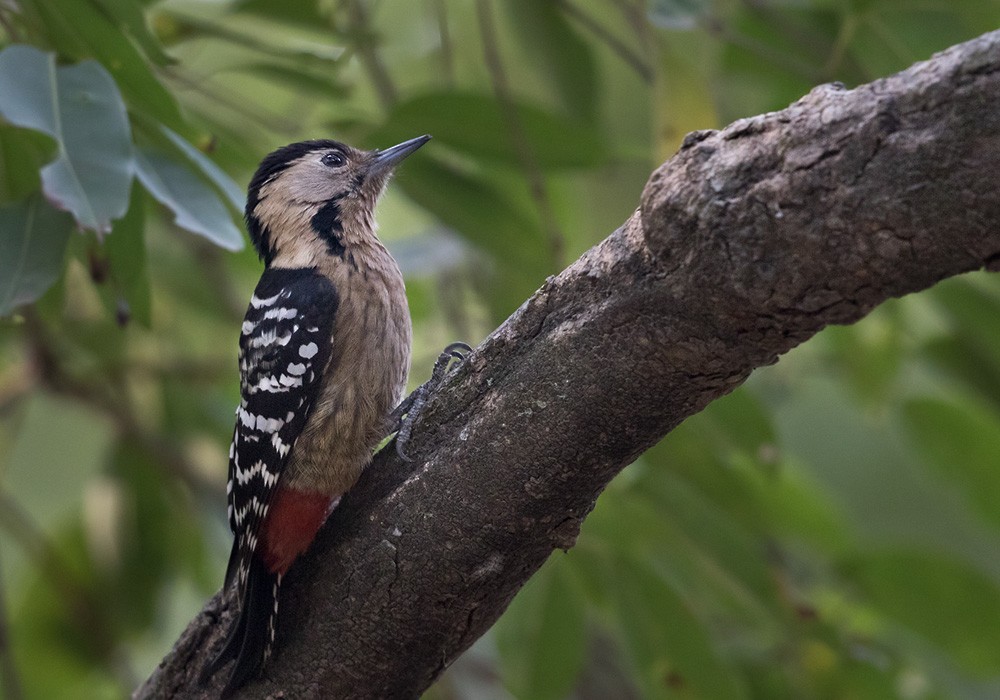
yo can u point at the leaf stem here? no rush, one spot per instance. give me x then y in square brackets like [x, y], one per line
[519, 138]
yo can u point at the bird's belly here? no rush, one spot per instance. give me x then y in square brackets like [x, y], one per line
[350, 417]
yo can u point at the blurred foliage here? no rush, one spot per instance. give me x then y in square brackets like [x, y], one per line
[830, 530]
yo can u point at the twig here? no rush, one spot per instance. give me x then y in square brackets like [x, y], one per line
[522, 147]
[361, 28]
[635, 15]
[447, 50]
[617, 46]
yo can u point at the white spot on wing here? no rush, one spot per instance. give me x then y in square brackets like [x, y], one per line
[256, 302]
[280, 447]
[281, 313]
[269, 425]
[269, 337]
[246, 418]
[309, 350]
[268, 383]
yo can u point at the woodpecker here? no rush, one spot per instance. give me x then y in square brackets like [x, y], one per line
[324, 357]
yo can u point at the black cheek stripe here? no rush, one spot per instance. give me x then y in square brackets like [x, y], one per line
[327, 224]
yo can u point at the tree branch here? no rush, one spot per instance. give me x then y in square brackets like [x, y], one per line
[746, 243]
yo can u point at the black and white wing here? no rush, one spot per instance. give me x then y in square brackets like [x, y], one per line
[284, 348]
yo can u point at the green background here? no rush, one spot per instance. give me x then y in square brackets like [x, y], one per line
[830, 530]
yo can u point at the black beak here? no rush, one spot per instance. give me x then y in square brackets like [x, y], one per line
[388, 159]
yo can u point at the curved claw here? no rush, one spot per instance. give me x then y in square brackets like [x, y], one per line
[400, 452]
[406, 414]
[453, 349]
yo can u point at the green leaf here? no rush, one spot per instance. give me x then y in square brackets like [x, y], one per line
[678, 14]
[766, 501]
[126, 251]
[316, 82]
[158, 534]
[941, 599]
[195, 204]
[60, 635]
[23, 152]
[33, 239]
[541, 636]
[763, 69]
[308, 15]
[962, 441]
[683, 92]
[503, 228]
[556, 52]
[872, 474]
[725, 560]
[80, 107]
[968, 348]
[669, 646]
[890, 39]
[738, 421]
[215, 174]
[81, 30]
[476, 125]
[871, 354]
[129, 16]
[972, 310]
[962, 359]
[45, 475]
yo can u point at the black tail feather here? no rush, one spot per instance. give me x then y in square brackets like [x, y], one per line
[256, 616]
[233, 639]
[252, 634]
[228, 652]
[233, 566]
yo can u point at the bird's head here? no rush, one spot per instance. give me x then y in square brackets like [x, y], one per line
[316, 197]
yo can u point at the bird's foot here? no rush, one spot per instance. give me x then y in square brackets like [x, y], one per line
[407, 412]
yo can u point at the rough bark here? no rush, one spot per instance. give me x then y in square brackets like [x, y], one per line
[747, 242]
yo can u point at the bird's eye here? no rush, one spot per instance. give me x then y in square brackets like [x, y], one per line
[332, 159]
